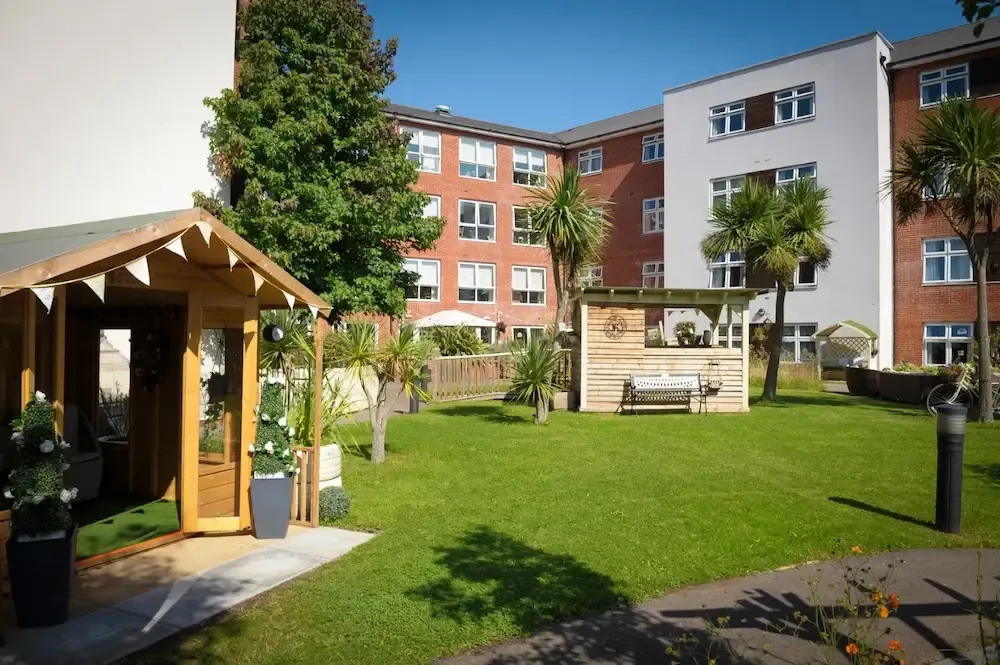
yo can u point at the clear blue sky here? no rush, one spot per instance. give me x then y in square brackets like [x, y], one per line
[555, 64]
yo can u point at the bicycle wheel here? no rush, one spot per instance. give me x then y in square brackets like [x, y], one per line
[948, 393]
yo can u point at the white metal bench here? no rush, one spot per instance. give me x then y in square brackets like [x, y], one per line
[666, 389]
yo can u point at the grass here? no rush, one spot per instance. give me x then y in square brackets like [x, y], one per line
[107, 524]
[492, 526]
[791, 376]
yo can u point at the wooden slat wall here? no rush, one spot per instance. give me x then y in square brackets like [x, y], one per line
[304, 506]
[611, 360]
[217, 491]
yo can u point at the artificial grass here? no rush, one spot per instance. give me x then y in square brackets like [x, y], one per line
[492, 526]
[109, 523]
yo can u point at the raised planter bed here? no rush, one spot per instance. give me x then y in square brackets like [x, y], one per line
[857, 381]
[907, 388]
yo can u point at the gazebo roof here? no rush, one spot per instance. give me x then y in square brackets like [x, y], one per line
[854, 325]
[668, 296]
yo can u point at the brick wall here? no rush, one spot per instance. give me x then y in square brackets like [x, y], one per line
[915, 303]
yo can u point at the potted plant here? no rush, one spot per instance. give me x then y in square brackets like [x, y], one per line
[42, 548]
[273, 465]
[686, 333]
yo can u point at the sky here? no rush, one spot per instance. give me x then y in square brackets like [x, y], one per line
[554, 64]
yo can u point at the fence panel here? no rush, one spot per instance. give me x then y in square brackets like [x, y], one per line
[488, 375]
[305, 493]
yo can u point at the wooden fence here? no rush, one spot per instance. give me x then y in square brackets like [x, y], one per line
[305, 504]
[488, 375]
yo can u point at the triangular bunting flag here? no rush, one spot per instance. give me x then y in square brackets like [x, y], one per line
[96, 284]
[47, 293]
[258, 281]
[232, 257]
[177, 247]
[140, 270]
[206, 231]
[314, 310]
[290, 298]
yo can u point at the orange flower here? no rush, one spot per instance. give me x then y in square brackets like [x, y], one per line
[894, 645]
[852, 649]
[883, 612]
[856, 549]
[877, 597]
[894, 601]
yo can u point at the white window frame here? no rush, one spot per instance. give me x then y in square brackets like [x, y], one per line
[798, 338]
[799, 284]
[515, 229]
[779, 182]
[654, 141]
[948, 340]
[794, 96]
[528, 290]
[737, 335]
[418, 285]
[592, 276]
[589, 157]
[653, 215]
[540, 176]
[478, 145]
[733, 184]
[653, 274]
[529, 332]
[476, 287]
[419, 135]
[434, 198]
[476, 225]
[726, 263]
[947, 255]
[727, 111]
[941, 77]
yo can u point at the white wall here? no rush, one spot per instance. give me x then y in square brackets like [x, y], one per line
[848, 140]
[102, 110]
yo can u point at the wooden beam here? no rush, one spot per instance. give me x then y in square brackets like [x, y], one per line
[249, 387]
[190, 413]
[28, 355]
[59, 361]
[584, 352]
[745, 329]
[318, 378]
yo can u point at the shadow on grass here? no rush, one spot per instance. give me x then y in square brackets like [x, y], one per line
[488, 412]
[990, 472]
[867, 507]
[827, 399]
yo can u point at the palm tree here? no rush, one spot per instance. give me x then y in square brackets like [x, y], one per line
[574, 225]
[775, 230]
[535, 365]
[953, 169]
[399, 359]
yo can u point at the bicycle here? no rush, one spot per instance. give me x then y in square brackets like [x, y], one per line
[963, 391]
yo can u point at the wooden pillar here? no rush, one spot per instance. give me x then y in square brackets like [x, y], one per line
[745, 330]
[190, 413]
[729, 327]
[248, 427]
[318, 379]
[28, 355]
[583, 353]
[59, 361]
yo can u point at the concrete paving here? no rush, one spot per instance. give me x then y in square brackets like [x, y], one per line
[936, 619]
[112, 632]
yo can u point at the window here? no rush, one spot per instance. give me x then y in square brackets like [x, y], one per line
[940, 187]
[591, 161]
[528, 286]
[652, 274]
[477, 159]
[652, 148]
[737, 335]
[942, 84]
[947, 343]
[795, 104]
[785, 177]
[487, 334]
[723, 190]
[529, 167]
[428, 279]
[592, 276]
[477, 221]
[806, 274]
[524, 334]
[523, 235]
[476, 282]
[652, 215]
[946, 260]
[728, 119]
[433, 207]
[424, 149]
[727, 272]
[797, 343]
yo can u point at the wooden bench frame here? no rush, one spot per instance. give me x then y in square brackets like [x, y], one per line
[670, 395]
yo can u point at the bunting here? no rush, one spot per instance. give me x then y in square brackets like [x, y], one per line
[177, 247]
[96, 284]
[139, 269]
[232, 257]
[258, 281]
[45, 295]
[290, 298]
[314, 310]
[206, 231]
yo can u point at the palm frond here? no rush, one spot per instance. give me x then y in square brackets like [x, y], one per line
[535, 365]
[735, 223]
[804, 209]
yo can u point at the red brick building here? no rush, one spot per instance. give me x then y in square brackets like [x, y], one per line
[934, 289]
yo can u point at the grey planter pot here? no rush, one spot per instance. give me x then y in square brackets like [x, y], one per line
[270, 506]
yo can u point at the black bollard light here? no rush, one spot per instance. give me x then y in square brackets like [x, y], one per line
[951, 446]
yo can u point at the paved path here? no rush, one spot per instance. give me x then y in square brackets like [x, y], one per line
[937, 589]
[111, 633]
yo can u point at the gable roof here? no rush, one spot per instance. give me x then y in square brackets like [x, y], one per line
[411, 112]
[618, 123]
[943, 42]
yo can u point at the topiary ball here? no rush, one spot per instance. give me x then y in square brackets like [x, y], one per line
[334, 504]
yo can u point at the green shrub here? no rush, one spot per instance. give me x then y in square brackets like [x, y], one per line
[455, 340]
[686, 333]
[334, 504]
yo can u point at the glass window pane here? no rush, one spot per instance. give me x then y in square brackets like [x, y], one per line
[936, 353]
[952, 71]
[487, 153]
[807, 273]
[956, 87]
[933, 246]
[467, 150]
[737, 106]
[957, 245]
[934, 269]
[960, 352]
[537, 280]
[805, 107]
[784, 94]
[805, 90]
[961, 332]
[467, 213]
[788, 351]
[807, 331]
[431, 141]
[718, 126]
[788, 331]
[807, 171]
[784, 111]
[930, 94]
[485, 276]
[935, 331]
[807, 351]
[718, 278]
[467, 170]
[929, 76]
[961, 268]
[786, 175]
[486, 215]
[736, 122]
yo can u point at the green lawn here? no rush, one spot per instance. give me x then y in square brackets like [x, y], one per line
[109, 523]
[492, 526]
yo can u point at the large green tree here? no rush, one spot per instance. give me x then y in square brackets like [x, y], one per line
[977, 11]
[319, 173]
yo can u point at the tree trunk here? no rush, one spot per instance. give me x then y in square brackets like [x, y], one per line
[562, 297]
[984, 365]
[379, 421]
[770, 393]
[541, 410]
